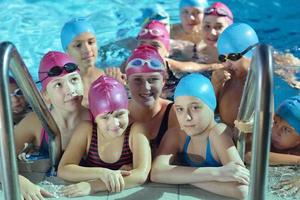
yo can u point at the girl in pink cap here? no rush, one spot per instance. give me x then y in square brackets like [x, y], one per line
[117, 154]
[204, 58]
[62, 89]
[146, 74]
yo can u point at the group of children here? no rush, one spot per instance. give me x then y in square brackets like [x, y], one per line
[111, 142]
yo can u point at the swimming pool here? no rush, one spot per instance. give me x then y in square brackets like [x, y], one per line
[34, 26]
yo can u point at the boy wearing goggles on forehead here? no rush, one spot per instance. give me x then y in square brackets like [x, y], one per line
[62, 89]
[78, 39]
[204, 58]
[235, 46]
[19, 105]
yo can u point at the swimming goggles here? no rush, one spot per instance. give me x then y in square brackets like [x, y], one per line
[17, 93]
[57, 70]
[235, 56]
[152, 63]
[153, 32]
[219, 11]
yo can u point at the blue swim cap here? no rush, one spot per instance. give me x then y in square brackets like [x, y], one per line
[197, 85]
[193, 3]
[72, 29]
[236, 38]
[289, 110]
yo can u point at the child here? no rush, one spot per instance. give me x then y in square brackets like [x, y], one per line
[117, 155]
[78, 39]
[19, 105]
[207, 151]
[285, 146]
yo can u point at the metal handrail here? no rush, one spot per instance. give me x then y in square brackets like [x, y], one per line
[257, 100]
[9, 57]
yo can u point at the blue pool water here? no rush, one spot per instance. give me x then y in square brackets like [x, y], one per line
[34, 25]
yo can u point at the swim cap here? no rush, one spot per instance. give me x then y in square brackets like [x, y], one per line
[289, 110]
[148, 53]
[193, 3]
[157, 12]
[219, 9]
[72, 29]
[49, 60]
[107, 95]
[155, 30]
[236, 38]
[197, 85]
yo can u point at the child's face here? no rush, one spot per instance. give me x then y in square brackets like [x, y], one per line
[84, 50]
[191, 19]
[65, 92]
[193, 115]
[283, 135]
[18, 101]
[113, 124]
[146, 88]
[212, 27]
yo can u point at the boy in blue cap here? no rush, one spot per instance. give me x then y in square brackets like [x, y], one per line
[235, 47]
[78, 39]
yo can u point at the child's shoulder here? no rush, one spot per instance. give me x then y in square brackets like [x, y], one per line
[220, 130]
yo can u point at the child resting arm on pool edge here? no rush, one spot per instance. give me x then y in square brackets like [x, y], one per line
[207, 151]
[109, 144]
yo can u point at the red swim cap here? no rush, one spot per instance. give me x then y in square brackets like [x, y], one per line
[107, 95]
[219, 9]
[144, 59]
[50, 60]
[155, 30]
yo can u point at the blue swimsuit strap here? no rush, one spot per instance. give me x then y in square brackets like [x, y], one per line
[209, 160]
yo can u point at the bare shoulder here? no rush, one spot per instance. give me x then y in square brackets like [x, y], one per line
[138, 128]
[219, 131]
[29, 122]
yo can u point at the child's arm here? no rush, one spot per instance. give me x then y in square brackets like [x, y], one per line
[278, 159]
[164, 172]
[24, 131]
[188, 66]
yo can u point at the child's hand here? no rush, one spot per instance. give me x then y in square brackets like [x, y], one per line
[235, 172]
[116, 74]
[245, 127]
[31, 191]
[113, 179]
[76, 190]
[219, 77]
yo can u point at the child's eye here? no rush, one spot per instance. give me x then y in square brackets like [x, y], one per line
[286, 130]
[179, 109]
[58, 85]
[105, 117]
[78, 45]
[74, 80]
[195, 107]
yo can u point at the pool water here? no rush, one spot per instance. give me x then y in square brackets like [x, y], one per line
[34, 27]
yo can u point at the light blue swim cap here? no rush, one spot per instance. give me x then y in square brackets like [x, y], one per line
[193, 3]
[289, 110]
[72, 29]
[197, 85]
[236, 38]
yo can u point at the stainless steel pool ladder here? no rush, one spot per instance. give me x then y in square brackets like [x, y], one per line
[257, 101]
[9, 57]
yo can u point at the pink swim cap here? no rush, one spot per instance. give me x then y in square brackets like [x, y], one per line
[144, 59]
[155, 30]
[52, 59]
[107, 95]
[219, 9]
